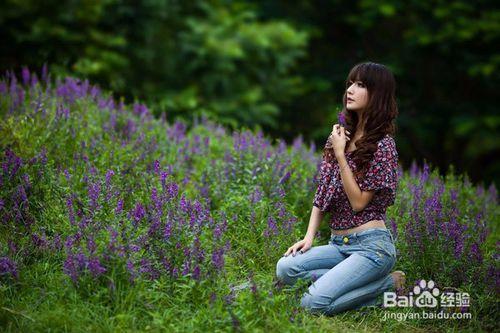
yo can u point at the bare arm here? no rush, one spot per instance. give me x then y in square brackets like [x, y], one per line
[358, 199]
[314, 223]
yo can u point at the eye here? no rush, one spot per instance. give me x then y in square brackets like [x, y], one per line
[361, 84]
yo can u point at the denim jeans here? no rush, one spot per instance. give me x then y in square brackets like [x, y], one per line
[348, 273]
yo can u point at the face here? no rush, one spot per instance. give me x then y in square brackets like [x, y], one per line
[357, 95]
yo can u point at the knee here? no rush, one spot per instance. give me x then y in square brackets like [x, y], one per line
[281, 269]
[285, 271]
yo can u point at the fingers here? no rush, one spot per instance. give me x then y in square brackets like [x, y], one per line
[343, 132]
[336, 129]
[293, 250]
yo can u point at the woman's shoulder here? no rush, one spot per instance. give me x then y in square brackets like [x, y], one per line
[387, 145]
[387, 141]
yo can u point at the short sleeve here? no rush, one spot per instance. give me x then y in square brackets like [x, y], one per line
[322, 198]
[383, 171]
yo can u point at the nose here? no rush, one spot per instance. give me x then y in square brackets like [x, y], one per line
[350, 89]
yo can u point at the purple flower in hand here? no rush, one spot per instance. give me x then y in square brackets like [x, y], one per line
[341, 117]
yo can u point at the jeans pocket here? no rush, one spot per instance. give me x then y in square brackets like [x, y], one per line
[381, 245]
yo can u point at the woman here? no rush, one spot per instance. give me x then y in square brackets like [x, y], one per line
[358, 180]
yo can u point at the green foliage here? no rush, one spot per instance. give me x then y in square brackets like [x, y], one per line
[281, 66]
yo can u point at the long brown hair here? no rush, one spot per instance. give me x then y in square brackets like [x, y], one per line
[379, 115]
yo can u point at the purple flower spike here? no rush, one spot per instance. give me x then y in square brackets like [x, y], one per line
[139, 212]
[7, 266]
[341, 118]
[218, 258]
[119, 206]
[25, 75]
[95, 267]
[110, 173]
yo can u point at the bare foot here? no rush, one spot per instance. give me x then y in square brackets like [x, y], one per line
[399, 278]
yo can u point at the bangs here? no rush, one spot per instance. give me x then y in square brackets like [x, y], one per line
[363, 73]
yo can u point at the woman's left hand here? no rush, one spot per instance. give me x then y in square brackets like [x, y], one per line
[338, 139]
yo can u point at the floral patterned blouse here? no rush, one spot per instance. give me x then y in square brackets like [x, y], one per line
[382, 176]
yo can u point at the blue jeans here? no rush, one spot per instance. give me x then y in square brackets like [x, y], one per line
[348, 273]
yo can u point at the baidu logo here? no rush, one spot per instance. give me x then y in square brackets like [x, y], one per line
[426, 295]
[432, 303]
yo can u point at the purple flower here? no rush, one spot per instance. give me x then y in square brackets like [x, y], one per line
[7, 266]
[184, 204]
[21, 194]
[145, 267]
[71, 212]
[156, 166]
[167, 231]
[492, 193]
[172, 190]
[297, 143]
[25, 75]
[38, 241]
[70, 268]
[91, 245]
[95, 267]
[271, 229]
[140, 109]
[219, 229]
[34, 80]
[110, 173]
[425, 173]
[139, 212]
[475, 253]
[453, 195]
[156, 199]
[56, 242]
[256, 196]
[163, 177]
[131, 269]
[285, 178]
[93, 192]
[342, 120]
[218, 258]
[394, 228]
[119, 206]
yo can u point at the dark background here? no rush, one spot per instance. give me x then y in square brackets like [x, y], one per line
[281, 65]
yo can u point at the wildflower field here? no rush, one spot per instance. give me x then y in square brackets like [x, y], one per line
[114, 220]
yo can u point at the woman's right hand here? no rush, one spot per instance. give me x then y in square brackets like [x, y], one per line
[329, 140]
[302, 245]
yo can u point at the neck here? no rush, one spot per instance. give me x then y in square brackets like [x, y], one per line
[361, 123]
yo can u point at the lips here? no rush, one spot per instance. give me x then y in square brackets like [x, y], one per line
[350, 100]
